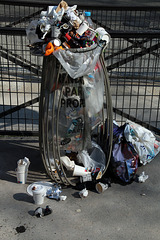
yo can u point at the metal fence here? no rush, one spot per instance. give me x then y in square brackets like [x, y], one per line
[132, 60]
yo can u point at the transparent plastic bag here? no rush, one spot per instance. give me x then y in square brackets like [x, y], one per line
[93, 87]
[78, 62]
[31, 32]
[93, 158]
[143, 140]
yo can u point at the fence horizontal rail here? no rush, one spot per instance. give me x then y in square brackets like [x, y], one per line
[19, 133]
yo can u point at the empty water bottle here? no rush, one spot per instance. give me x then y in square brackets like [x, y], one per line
[89, 20]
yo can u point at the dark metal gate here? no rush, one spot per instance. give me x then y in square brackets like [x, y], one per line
[132, 60]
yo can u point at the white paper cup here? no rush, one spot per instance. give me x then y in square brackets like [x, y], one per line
[21, 176]
[23, 163]
[79, 171]
[101, 187]
[67, 162]
[38, 194]
[83, 27]
[21, 173]
[22, 170]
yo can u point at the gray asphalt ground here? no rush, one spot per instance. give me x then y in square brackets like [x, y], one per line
[121, 213]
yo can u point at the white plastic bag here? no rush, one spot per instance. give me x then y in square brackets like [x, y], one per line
[31, 32]
[93, 158]
[78, 62]
[143, 140]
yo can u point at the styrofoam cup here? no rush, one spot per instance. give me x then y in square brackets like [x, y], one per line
[38, 194]
[23, 163]
[22, 170]
[101, 187]
[83, 27]
[67, 162]
[79, 171]
[21, 176]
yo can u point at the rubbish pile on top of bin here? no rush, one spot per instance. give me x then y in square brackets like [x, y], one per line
[63, 27]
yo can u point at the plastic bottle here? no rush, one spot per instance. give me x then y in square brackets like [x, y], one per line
[89, 20]
[91, 25]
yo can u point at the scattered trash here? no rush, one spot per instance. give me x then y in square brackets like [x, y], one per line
[86, 178]
[63, 198]
[101, 187]
[83, 193]
[47, 186]
[142, 177]
[40, 212]
[67, 163]
[22, 170]
[39, 190]
[124, 160]
[143, 141]
[47, 210]
[143, 194]
[20, 229]
[38, 194]
[80, 171]
[70, 165]
[54, 193]
[78, 210]
[94, 160]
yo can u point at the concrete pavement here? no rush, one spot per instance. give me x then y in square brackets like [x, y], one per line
[120, 213]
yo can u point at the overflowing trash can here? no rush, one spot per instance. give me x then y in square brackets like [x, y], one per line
[75, 115]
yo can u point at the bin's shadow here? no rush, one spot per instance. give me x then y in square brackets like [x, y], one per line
[23, 197]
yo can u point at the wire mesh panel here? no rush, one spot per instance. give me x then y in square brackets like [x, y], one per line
[20, 82]
[20, 73]
[134, 74]
[132, 59]
[13, 15]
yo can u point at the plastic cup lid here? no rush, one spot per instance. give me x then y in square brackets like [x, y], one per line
[57, 42]
[38, 188]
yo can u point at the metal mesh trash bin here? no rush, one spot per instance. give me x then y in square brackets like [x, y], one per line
[72, 113]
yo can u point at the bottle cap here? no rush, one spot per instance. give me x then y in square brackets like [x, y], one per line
[87, 14]
[56, 42]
